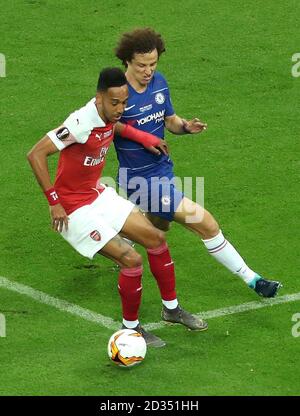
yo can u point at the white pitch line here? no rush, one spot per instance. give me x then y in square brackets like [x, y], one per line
[263, 303]
[62, 305]
[109, 323]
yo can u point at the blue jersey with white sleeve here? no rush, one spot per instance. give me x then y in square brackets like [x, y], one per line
[145, 111]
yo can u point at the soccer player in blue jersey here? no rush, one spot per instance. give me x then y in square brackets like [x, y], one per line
[150, 109]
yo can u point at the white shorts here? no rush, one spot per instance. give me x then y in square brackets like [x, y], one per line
[92, 226]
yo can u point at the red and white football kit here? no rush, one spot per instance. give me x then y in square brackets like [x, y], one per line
[96, 212]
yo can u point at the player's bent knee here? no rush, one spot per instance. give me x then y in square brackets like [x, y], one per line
[158, 238]
[214, 228]
[208, 228]
[134, 259]
[161, 237]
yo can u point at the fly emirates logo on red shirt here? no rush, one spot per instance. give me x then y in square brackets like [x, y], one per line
[91, 161]
[103, 140]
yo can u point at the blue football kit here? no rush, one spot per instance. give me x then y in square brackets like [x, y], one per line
[148, 179]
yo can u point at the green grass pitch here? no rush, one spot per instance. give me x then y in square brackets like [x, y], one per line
[228, 63]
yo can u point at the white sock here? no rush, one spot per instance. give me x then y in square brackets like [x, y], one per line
[170, 304]
[226, 254]
[130, 324]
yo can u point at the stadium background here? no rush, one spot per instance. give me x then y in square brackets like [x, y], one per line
[228, 63]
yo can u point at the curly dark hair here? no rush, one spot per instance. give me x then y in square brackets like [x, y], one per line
[110, 77]
[141, 40]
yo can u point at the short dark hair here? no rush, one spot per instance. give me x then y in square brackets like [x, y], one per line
[141, 40]
[111, 77]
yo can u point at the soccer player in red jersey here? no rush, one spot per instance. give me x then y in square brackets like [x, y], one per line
[91, 216]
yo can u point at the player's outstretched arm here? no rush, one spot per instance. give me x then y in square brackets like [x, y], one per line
[178, 125]
[37, 157]
[149, 141]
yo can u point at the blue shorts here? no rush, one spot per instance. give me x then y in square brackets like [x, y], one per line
[153, 190]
